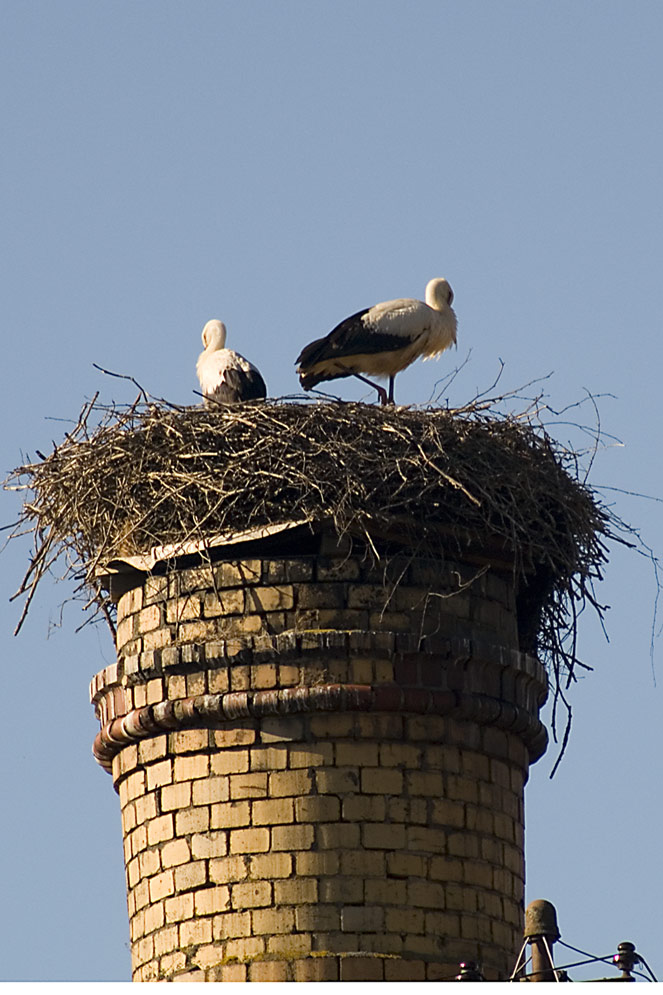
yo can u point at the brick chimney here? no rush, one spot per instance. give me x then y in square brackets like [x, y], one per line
[320, 762]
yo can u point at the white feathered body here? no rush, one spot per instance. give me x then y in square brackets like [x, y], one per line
[384, 339]
[224, 375]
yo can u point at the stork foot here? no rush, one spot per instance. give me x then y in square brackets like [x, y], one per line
[382, 394]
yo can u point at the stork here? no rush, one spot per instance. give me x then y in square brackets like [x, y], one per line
[224, 375]
[382, 340]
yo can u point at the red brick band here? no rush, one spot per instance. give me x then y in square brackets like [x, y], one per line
[199, 710]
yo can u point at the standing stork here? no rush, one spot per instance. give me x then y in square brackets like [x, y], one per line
[382, 340]
[224, 375]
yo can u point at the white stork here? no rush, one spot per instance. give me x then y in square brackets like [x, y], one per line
[382, 340]
[224, 375]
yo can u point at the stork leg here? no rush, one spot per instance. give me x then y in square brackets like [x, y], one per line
[391, 390]
[382, 394]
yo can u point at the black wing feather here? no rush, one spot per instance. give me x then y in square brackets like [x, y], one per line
[351, 337]
[240, 386]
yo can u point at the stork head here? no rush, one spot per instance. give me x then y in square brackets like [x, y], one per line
[214, 335]
[439, 294]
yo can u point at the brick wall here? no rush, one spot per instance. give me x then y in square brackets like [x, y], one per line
[321, 776]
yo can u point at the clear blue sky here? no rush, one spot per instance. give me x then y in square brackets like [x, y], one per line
[280, 165]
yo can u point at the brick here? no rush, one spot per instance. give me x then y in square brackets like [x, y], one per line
[132, 787]
[226, 869]
[157, 639]
[154, 688]
[238, 573]
[229, 761]
[272, 812]
[159, 773]
[212, 844]
[149, 618]
[317, 918]
[342, 890]
[230, 815]
[240, 678]
[446, 869]
[404, 920]
[407, 970]
[275, 729]
[387, 892]
[249, 840]
[133, 872]
[362, 969]
[248, 785]
[176, 686]
[425, 839]
[425, 783]
[225, 602]
[143, 950]
[361, 672]
[175, 852]
[316, 755]
[170, 964]
[444, 924]
[427, 894]
[269, 758]
[337, 569]
[211, 789]
[145, 807]
[380, 781]
[188, 768]
[280, 920]
[149, 863]
[231, 924]
[337, 781]
[211, 900]
[182, 609]
[316, 808]
[138, 839]
[463, 845]
[405, 865]
[154, 917]
[192, 820]
[363, 863]
[295, 891]
[264, 676]
[363, 808]
[448, 813]
[160, 829]
[478, 874]
[270, 599]
[289, 782]
[195, 932]
[251, 894]
[217, 681]
[320, 969]
[176, 796]
[383, 836]
[289, 675]
[161, 886]
[192, 875]
[298, 837]
[270, 865]
[150, 750]
[355, 754]
[362, 919]
[269, 970]
[292, 945]
[165, 940]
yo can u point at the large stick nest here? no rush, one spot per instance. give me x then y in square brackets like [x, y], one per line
[441, 480]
